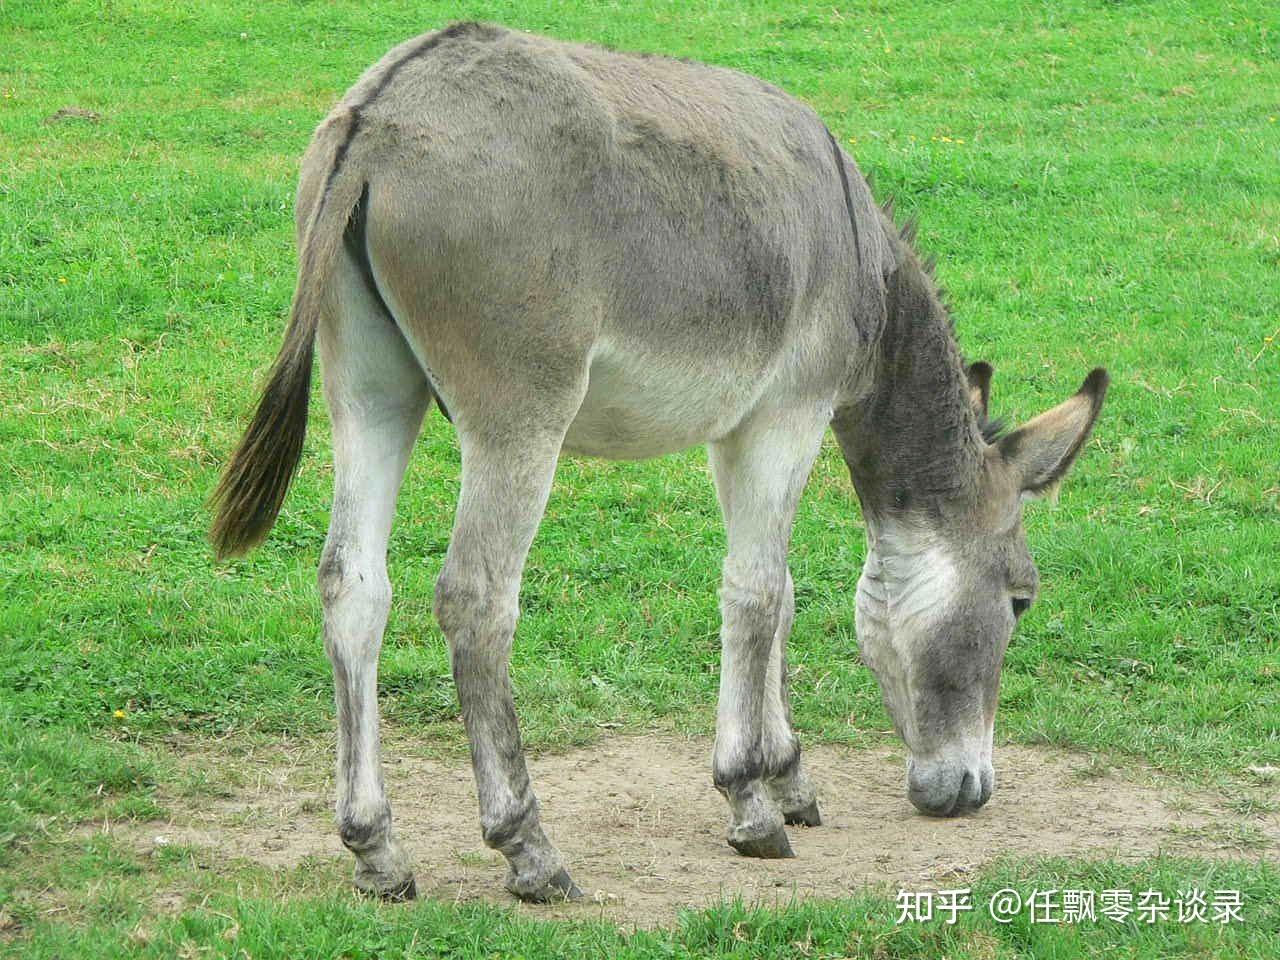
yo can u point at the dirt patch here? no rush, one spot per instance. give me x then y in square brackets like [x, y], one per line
[73, 113]
[643, 830]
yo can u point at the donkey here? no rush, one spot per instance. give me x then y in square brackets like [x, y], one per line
[572, 249]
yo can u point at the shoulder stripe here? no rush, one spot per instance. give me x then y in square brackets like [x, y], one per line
[848, 198]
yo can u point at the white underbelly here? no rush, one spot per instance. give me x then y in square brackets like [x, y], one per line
[633, 410]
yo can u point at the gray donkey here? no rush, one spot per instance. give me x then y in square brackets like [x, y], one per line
[572, 249]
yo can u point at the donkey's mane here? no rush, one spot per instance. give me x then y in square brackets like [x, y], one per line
[991, 429]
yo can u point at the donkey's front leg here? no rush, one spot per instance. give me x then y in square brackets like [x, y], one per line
[760, 472]
[749, 600]
[785, 773]
[504, 491]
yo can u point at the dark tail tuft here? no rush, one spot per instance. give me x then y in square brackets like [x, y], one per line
[248, 498]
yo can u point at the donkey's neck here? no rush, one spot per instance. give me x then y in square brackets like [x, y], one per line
[914, 438]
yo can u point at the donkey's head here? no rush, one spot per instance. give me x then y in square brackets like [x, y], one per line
[947, 577]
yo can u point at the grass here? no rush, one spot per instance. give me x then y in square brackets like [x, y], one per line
[246, 920]
[1097, 180]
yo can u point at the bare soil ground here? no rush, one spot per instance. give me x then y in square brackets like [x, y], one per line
[643, 830]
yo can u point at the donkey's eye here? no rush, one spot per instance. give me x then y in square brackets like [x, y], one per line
[1020, 605]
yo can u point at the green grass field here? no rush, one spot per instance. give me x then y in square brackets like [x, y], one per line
[1099, 182]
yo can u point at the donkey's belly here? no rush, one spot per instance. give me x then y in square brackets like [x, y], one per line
[638, 407]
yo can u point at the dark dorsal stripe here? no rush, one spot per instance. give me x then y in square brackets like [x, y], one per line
[848, 197]
[425, 47]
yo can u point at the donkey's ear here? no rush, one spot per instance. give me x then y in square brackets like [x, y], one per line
[979, 375]
[1042, 451]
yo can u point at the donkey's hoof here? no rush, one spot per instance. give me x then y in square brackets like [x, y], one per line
[556, 890]
[772, 846]
[400, 892]
[806, 816]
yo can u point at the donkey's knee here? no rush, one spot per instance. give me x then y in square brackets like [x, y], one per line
[751, 605]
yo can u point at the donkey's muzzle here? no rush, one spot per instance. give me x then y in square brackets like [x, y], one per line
[945, 788]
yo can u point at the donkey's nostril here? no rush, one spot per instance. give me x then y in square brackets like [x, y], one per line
[975, 789]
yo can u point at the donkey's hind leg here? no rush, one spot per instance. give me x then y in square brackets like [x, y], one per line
[760, 471]
[505, 484]
[377, 395]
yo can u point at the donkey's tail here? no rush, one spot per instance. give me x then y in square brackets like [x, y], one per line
[251, 491]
